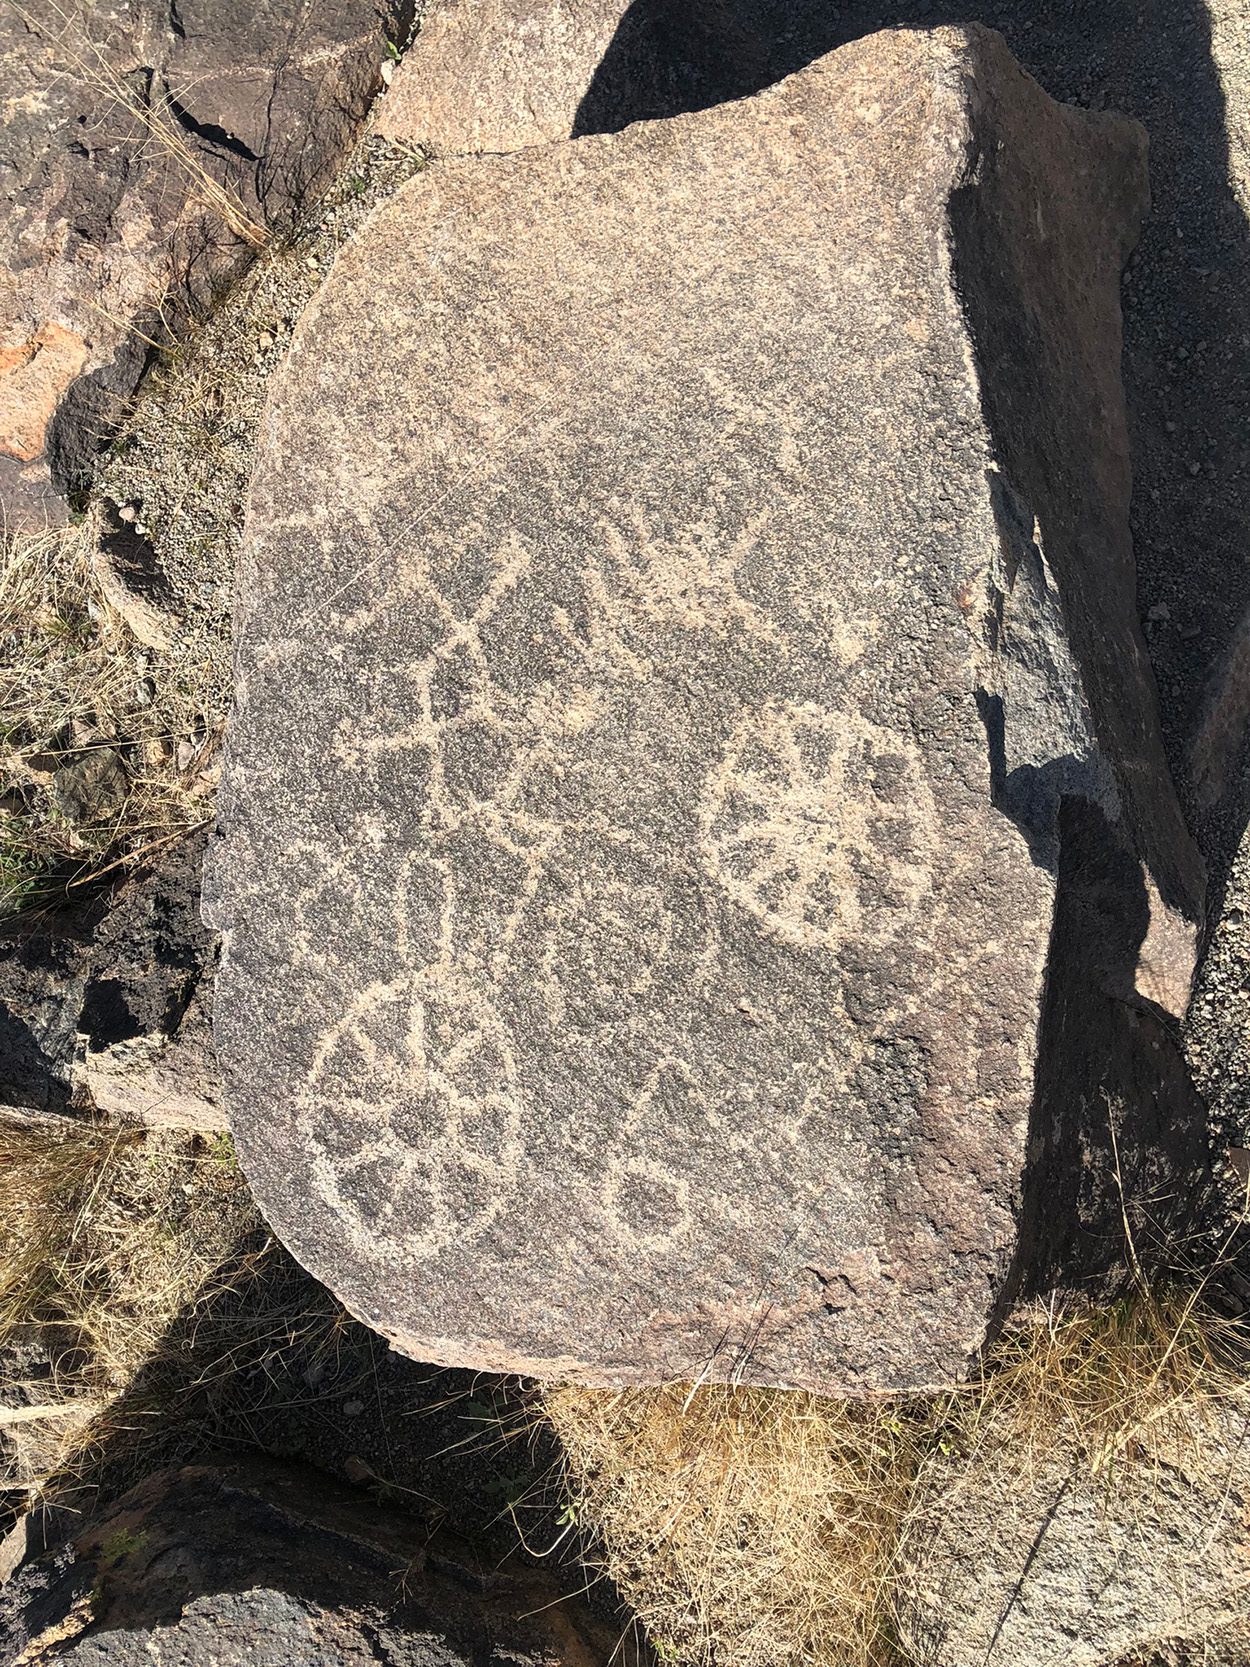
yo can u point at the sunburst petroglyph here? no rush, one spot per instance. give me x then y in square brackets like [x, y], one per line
[805, 806]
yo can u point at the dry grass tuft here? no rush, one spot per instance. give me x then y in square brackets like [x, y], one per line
[105, 1237]
[105, 745]
[762, 1528]
[742, 1525]
[146, 1314]
[1136, 1378]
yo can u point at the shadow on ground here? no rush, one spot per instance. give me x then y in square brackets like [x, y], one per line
[452, 1468]
[265, 1361]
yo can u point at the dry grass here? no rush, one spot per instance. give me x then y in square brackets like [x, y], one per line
[1135, 1378]
[142, 1304]
[79, 694]
[762, 1528]
[106, 1237]
[745, 1527]
[742, 1525]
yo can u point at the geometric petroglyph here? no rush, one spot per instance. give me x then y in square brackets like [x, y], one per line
[820, 825]
[427, 1112]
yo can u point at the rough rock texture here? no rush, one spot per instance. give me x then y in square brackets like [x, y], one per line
[112, 1003]
[1182, 69]
[486, 76]
[113, 120]
[256, 1565]
[662, 660]
[1011, 1566]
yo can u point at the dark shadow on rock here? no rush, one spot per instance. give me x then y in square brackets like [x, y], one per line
[123, 960]
[329, 1476]
[1118, 1142]
[43, 977]
[251, 1560]
[264, 1361]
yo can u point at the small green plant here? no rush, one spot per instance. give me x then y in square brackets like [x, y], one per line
[122, 1543]
[221, 1152]
[21, 874]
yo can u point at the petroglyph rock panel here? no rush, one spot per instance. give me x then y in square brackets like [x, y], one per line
[658, 680]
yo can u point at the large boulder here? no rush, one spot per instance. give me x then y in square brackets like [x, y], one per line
[498, 75]
[687, 606]
[255, 1564]
[144, 150]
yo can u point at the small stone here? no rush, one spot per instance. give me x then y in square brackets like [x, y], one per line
[134, 585]
[90, 787]
[353, 1409]
[265, 340]
[1195, 468]
[1160, 611]
[128, 513]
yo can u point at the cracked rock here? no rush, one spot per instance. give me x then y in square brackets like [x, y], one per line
[1012, 1560]
[145, 151]
[256, 1563]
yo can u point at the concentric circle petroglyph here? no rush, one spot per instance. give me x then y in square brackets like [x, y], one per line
[817, 823]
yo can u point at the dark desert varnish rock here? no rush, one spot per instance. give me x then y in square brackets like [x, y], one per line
[125, 134]
[686, 570]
